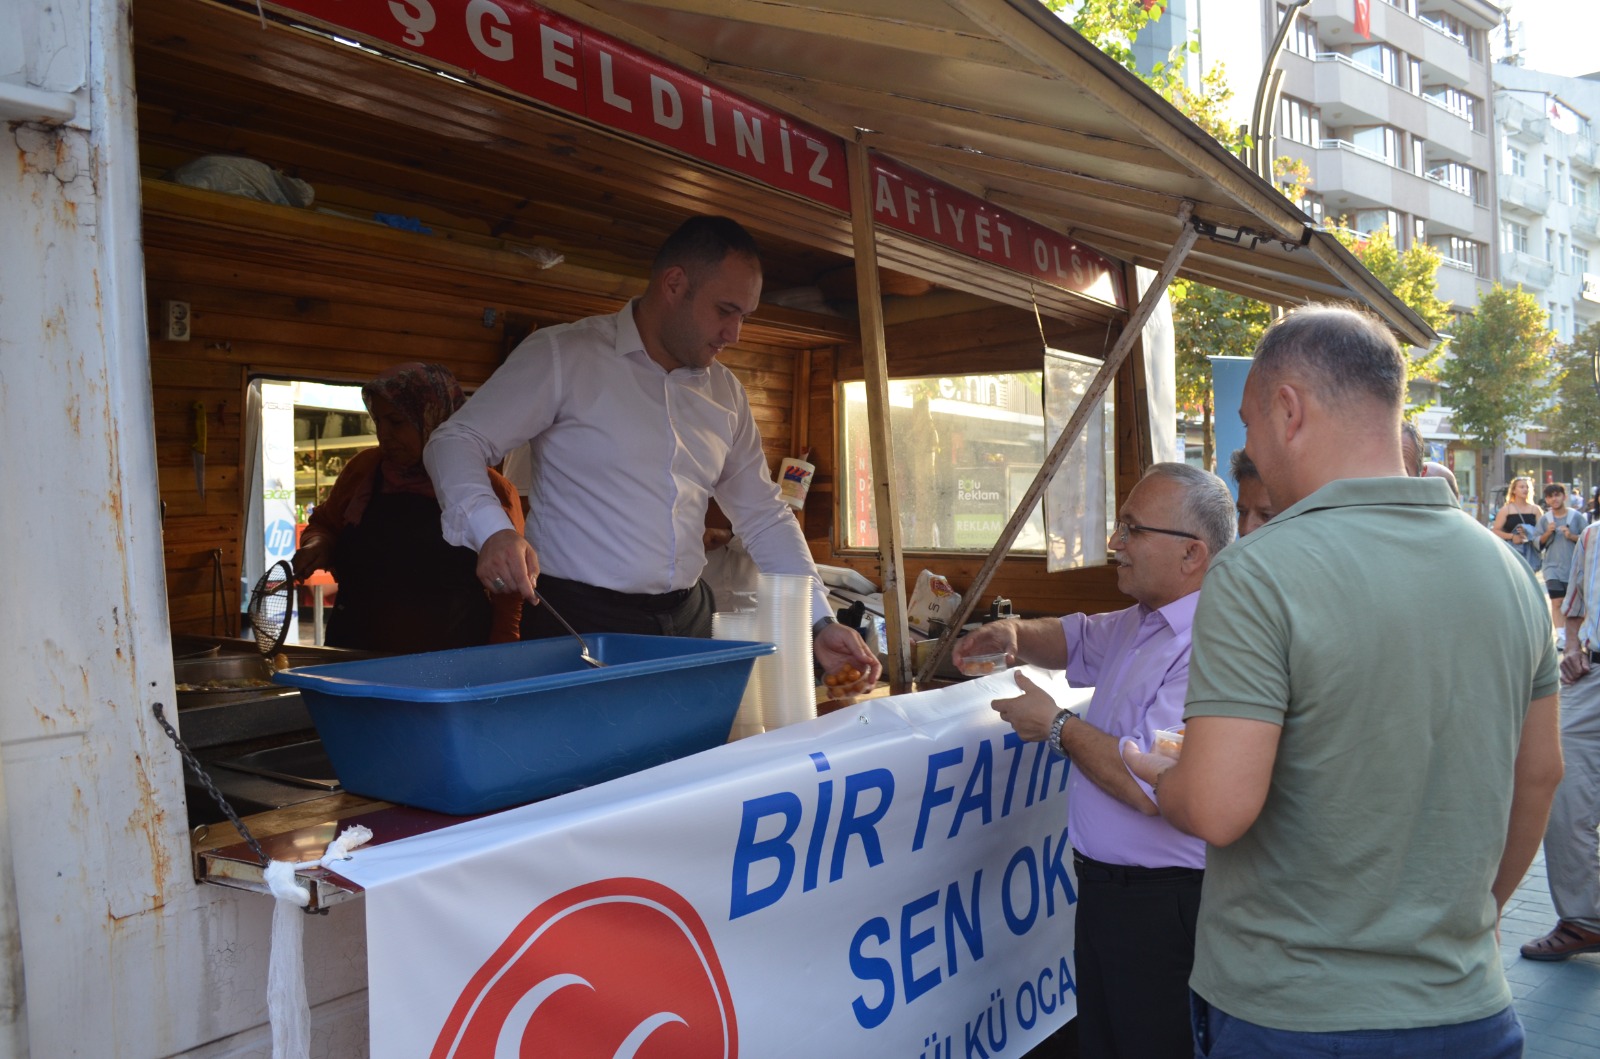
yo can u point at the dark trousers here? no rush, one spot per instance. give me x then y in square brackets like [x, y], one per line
[588, 608]
[1134, 950]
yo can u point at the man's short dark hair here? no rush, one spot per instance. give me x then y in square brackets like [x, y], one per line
[1242, 467]
[701, 243]
[1343, 352]
[1555, 487]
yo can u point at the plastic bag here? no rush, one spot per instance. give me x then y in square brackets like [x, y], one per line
[932, 600]
[246, 177]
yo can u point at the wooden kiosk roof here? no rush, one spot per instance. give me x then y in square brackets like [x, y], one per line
[1003, 99]
[998, 98]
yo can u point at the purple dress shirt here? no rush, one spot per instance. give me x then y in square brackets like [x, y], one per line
[1137, 660]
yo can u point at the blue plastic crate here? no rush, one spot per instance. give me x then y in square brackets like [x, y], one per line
[482, 728]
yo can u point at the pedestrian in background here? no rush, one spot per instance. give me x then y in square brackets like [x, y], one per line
[1558, 533]
[1572, 838]
[1253, 506]
[1515, 521]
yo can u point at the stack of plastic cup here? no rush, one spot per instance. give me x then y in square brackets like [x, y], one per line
[783, 618]
[741, 625]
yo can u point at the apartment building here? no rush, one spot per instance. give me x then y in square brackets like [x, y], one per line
[1391, 114]
[1548, 127]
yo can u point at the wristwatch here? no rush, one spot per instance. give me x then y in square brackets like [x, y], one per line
[1062, 716]
[822, 623]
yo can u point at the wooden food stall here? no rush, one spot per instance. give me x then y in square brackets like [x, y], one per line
[939, 188]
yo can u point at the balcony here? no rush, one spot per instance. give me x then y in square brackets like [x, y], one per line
[1443, 56]
[1586, 224]
[1521, 195]
[1354, 179]
[1521, 122]
[1336, 20]
[1585, 155]
[1458, 284]
[1450, 210]
[1526, 269]
[1448, 132]
[1356, 94]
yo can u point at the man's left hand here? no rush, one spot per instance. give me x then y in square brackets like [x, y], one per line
[1574, 663]
[1146, 766]
[1030, 713]
[837, 646]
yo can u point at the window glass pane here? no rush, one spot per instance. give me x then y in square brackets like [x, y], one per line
[959, 443]
[966, 449]
[1080, 501]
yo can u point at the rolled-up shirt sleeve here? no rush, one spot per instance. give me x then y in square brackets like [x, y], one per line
[518, 402]
[1573, 605]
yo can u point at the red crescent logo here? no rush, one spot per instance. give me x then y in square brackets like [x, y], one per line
[614, 969]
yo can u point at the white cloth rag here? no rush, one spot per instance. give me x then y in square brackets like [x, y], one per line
[287, 1008]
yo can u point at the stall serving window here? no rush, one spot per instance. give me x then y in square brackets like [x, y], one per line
[299, 435]
[966, 449]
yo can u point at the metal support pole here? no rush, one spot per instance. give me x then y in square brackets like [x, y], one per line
[1267, 95]
[1069, 436]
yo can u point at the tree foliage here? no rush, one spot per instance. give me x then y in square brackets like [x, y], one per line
[1211, 322]
[1112, 25]
[1500, 371]
[1574, 421]
[1413, 276]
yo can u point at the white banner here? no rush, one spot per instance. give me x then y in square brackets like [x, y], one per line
[893, 879]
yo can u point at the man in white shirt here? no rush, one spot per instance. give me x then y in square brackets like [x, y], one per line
[632, 427]
[1572, 838]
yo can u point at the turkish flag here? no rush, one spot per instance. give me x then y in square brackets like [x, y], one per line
[1364, 18]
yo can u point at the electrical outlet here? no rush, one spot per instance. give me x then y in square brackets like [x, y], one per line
[175, 321]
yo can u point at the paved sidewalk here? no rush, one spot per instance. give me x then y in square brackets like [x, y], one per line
[1559, 1003]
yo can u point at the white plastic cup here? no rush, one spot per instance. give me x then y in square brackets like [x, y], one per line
[783, 618]
[794, 481]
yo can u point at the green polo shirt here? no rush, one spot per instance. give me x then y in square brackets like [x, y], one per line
[1398, 644]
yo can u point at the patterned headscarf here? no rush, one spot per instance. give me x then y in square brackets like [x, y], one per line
[426, 394]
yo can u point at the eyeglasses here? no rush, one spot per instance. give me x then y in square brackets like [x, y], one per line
[1126, 529]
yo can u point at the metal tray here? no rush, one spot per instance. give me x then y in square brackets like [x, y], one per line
[302, 764]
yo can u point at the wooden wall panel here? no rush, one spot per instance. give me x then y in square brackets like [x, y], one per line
[337, 313]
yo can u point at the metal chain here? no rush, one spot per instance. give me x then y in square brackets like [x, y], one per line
[211, 788]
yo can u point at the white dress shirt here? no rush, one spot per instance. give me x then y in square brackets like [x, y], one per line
[624, 457]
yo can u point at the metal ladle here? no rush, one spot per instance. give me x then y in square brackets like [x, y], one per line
[584, 653]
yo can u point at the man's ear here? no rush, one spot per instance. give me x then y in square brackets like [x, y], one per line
[674, 281]
[1195, 556]
[1289, 406]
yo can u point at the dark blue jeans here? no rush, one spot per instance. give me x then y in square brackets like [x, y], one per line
[1218, 1035]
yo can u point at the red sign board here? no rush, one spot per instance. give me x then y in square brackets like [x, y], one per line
[908, 201]
[553, 60]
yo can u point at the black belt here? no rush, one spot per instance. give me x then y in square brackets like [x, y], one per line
[1594, 657]
[642, 600]
[1100, 871]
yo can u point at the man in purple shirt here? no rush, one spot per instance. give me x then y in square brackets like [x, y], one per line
[1138, 877]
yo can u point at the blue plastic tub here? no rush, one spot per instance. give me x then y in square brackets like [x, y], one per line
[482, 728]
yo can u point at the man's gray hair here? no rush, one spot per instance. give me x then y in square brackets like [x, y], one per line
[1409, 432]
[1208, 509]
[1342, 352]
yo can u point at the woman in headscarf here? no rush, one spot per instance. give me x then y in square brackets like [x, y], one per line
[402, 588]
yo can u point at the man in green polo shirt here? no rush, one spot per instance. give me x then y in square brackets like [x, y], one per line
[1370, 794]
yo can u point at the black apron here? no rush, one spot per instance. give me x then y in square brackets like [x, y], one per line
[402, 589]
